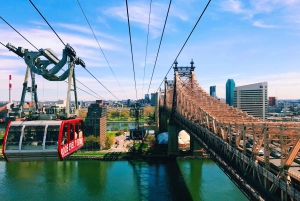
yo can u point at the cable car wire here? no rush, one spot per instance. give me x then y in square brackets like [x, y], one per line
[131, 49]
[64, 45]
[162, 35]
[18, 33]
[46, 21]
[100, 46]
[2, 44]
[86, 91]
[146, 47]
[101, 84]
[38, 50]
[185, 42]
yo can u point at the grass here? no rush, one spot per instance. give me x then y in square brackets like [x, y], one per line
[111, 133]
[89, 154]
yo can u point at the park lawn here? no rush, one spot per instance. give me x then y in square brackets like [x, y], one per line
[111, 133]
[89, 154]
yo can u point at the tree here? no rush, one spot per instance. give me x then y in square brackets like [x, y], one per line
[126, 129]
[120, 132]
[150, 139]
[82, 113]
[109, 142]
[124, 114]
[115, 114]
[148, 111]
[92, 142]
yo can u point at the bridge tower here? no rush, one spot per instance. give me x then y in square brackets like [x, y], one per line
[183, 75]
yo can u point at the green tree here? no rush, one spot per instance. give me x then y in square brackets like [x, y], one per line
[92, 142]
[150, 139]
[115, 114]
[120, 132]
[109, 142]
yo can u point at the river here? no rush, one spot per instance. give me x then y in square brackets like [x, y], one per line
[116, 180]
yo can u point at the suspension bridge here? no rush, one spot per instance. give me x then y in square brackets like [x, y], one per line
[224, 131]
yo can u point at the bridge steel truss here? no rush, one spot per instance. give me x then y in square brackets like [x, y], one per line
[231, 128]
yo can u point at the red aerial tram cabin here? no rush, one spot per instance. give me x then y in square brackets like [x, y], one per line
[42, 140]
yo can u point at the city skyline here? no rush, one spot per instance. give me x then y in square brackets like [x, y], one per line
[248, 42]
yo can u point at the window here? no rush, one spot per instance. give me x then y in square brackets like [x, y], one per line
[32, 138]
[13, 138]
[65, 136]
[52, 137]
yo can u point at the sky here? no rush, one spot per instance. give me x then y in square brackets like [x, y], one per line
[248, 41]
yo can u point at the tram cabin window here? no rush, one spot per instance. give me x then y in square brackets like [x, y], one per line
[65, 135]
[77, 130]
[72, 133]
[33, 137]
[52, 137]
[13, 138]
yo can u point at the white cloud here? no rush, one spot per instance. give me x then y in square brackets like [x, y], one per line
[139, 15]
[249, 10]
[234, 6]
[87, 30]
[261, 24]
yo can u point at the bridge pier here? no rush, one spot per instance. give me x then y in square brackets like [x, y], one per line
[163, 122]
[173, 131]
[195, 147]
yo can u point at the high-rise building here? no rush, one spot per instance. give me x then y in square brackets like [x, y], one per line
[153, 99]
[95, 121]
[272, 101]
[147, 100]
[212, 91]
[128, 103]
[253, 99]
[230, 84]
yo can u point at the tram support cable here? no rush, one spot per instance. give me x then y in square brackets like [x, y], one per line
[47, 22]
[131, 49]
[38, 50]
[100, 47]
[185, 43]
[65, 45]
[162, 35]
[18, 33]
[146, 47]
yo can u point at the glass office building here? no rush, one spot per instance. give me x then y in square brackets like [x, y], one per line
[230, 84]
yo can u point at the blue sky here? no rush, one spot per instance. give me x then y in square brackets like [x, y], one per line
[248, 41]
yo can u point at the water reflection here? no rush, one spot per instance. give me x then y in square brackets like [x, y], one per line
[93, 178]
[160, 180]
[116, 180]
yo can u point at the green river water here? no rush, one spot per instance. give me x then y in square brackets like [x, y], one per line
[116, 180]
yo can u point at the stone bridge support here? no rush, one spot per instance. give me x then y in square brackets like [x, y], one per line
[173, 130]
[195, 147]
[163, 121]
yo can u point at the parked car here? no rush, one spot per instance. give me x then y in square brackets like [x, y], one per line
[275, 154]
[261, 152]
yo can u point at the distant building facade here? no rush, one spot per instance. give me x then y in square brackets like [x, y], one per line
[252, 99]
[212, 91]
[230, 84]
[95, 121]
[272, 101]
[128, 103]
[153, 99]
[147, 99]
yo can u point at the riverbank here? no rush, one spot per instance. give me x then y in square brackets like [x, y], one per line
[119, 156]
[113, 156]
